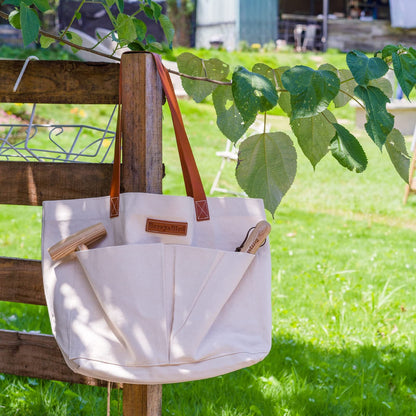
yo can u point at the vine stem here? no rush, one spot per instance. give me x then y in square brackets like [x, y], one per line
[73, 19]
[5, 16]
[352, 98]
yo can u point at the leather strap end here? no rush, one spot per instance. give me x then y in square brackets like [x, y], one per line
[201, 210]
[114, 206]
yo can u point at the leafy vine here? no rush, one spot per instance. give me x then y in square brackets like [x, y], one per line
[267, 162]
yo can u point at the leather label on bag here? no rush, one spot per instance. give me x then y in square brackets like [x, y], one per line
[166, 227]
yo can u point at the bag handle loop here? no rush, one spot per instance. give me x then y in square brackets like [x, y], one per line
[192, 179]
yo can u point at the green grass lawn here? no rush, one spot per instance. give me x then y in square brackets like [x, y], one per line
[343, 295]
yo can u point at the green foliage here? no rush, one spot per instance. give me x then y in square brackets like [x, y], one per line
[304, 94]
[404, 65]
[267, 167]
[310, 90]
[347, 150]
[252, 92]
[365, 69]
[212, 69]
[30, 24]
[396, 148]
[128, 30]
[229, 120]
[14, 19]
[314, 135]
[379, 120]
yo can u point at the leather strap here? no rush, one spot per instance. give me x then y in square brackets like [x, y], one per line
[115, 181]
[193, 183]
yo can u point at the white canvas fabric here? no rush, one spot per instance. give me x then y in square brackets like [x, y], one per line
[149, 308]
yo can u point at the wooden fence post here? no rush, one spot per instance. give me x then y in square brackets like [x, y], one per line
[141, 172]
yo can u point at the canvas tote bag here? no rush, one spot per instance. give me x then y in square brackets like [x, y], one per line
[164, 297]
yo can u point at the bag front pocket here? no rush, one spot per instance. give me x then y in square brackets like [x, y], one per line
[165, 303]
[129, 283]
[204, 280]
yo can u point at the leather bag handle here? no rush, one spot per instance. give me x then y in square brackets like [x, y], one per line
[192, 179]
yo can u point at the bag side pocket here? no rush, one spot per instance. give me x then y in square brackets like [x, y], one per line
[204, 280]
[128, 282]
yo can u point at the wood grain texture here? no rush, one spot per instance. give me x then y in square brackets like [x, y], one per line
[59, 82]
[142, 400]
[33, 355]
[142, 99]
[31, 183]
[21, 281]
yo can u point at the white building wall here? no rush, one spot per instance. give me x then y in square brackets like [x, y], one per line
[217, 20]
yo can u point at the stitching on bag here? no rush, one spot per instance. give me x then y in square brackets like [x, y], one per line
[114, 201]
[202, 210]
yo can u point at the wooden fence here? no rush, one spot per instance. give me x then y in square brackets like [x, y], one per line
[29, 183]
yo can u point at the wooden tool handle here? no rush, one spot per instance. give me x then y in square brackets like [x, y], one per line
[74, 242]
[256, 238]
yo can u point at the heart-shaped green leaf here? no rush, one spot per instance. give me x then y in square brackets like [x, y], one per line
[11, 2]
[30, 24]
[45, 42]
[14, 19]
[266, 71]
[347, 150]
[347, 84]
[311, 90]
[252, 93]
[379, 120]
[314, 135]
[384, 85]
[141, 29]
[405, 70]
[364, 68]
[74, 37]
[126, 28]
[120, 5]
[388, 51]
[192, 65]
[275, 76]
[396, 148]
[167, 27]
[229, 119]
[42, 5]
[157, 10]
[267, 167]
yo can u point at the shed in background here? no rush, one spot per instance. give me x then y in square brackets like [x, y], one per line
[227, 23]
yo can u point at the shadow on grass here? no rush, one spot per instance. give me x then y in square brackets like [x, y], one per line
[304, 379]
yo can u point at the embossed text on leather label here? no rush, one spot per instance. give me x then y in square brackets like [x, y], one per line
[166, 227]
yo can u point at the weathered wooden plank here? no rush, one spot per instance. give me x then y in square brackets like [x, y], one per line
[60, 82]
[31, 183]
[33, 355]
[141, 400]
[21, 281]
[142, 99]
